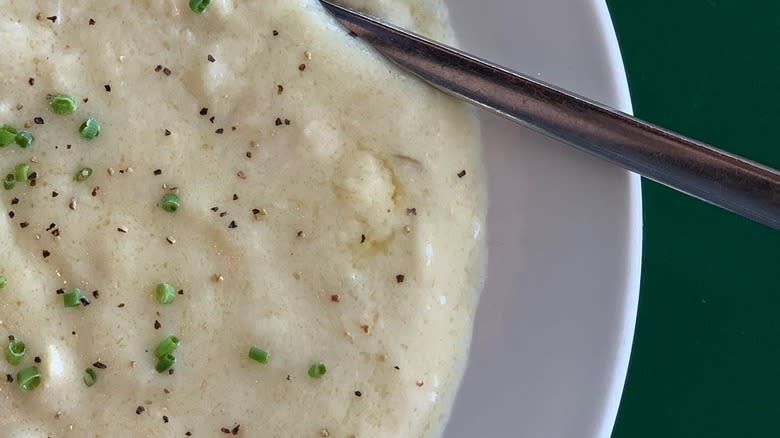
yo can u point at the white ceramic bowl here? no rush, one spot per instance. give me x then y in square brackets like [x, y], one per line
[555, 324]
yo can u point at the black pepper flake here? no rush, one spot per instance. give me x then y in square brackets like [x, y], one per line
[14, 201]
[279, 89]
[211, 119]
[121, 305]
[255, 211]
[358, 394]
[84, 301]
[11, 214]
[233, 224]
[53, 18]
[166, 71]
[165, 418]
[215, 209]
[235, 197]
[54, 194]
[140, 410]
[278, 122]
[223, 214]
[167, 132]
[233, 128]
[166, 390]
[335, 298]
[157, 325]
[31, 81]
[86, 99]
[95, 190]
[180, 292]
[9, 378]
[210, 58]
[235, 430]
[107, 87]
[96, 294]
[188, 434]
[99, 365]
[158, 171]
[302, 67]
[37, 359]
[45, 253]
[362, 238]
[461, 174]
[400, 278]
[249, 154]
[411, 211]
[287, 122]
[276, 33]
[38, 120]
[91, 21]
[158, 68]
[51, 226]
[60, 291]
[397, 368]
[24, 225]
[204, 111]
[219, 131]
[68, 146]
[225, 430]
[170, 372]
[11, 338]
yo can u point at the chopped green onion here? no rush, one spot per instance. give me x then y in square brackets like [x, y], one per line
[72, 298]
[198, 6]
[28, 378]
[90, 129]
[258, 354]
[167, 346]
[63, 104]
[21, 172]
[7, 135]
[170, 202]
[90, 377]
[165, 293]
[317, 370]
[3, 281]
[165, 362]
[83, 174]
[24, 139]
[9, 182]
[15, 352]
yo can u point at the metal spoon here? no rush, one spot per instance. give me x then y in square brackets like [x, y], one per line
[723, 179]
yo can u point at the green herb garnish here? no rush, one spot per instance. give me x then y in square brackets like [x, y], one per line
[258, 354]
[165, 293]
[90, 129]
[317, 370]
[14, 352]
[63, 104]
[29, 378]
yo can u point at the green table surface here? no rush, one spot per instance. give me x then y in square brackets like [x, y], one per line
[706, 354]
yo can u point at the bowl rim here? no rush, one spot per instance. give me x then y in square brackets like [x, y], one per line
[622, 102]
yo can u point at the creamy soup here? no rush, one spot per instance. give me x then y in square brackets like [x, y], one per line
[248, 178]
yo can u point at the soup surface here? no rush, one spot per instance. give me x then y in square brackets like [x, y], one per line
[278, 183]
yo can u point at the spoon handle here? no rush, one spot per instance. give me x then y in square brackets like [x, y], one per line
[723, 179]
